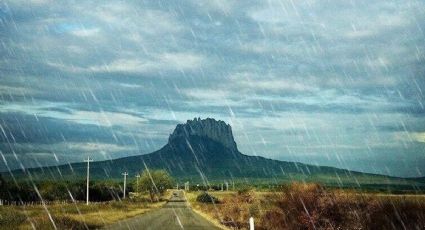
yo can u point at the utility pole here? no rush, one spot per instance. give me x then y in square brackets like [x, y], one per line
[88, 178]
[125, 174]
[137, 182]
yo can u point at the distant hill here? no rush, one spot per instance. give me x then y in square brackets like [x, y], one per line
[205, 150]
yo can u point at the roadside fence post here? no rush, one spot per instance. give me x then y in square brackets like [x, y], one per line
[251, 223]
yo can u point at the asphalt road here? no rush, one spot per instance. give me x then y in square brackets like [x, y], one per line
[176, 214]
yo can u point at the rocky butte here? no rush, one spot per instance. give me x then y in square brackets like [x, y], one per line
[218, 131]
[199, 150]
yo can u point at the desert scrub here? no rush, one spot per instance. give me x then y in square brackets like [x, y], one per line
[238, 208]
[304, 206]
[310, 206]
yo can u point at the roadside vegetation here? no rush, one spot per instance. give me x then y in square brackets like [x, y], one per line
[72, 216]
[154, 182]
[26, 191]
[301, 206]
[64, 202]
[298, 206]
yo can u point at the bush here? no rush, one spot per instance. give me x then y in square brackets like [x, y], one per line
[244, 189]
[399, 213]
[239, 208]
[53, 191]
[156, 182]
[310, 206]
[206, 198]
[103, 191]
[305, 206]
[22, 191]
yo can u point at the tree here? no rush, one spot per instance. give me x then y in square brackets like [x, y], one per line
[2, 182]
[51, 190]
[155, 182]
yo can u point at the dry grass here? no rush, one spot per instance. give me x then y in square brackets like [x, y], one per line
[71, 216]
[310, 206]
[233, 210]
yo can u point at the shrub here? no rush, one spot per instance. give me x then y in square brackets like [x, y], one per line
[206, 198]
[254, 209]
[22, 191]
[238, 208]
[103, 191]
[395, 213]
[305, 206]
[156, 182]
[243, 189]
[53, 191]
[310, 206]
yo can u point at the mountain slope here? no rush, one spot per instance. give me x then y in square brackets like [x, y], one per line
[205, 150]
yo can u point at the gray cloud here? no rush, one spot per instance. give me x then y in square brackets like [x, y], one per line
[337, 77]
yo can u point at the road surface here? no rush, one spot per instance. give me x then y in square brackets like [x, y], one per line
[176, 214]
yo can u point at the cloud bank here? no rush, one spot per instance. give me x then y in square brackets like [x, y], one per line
[337, 83]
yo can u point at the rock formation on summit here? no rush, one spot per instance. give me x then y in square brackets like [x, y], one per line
[216, 130]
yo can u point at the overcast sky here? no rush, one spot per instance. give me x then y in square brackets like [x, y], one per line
[328, 82]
